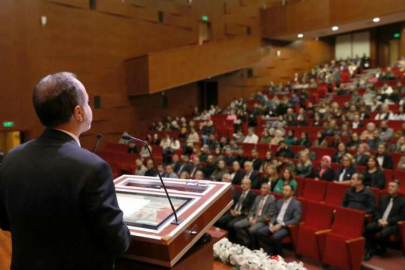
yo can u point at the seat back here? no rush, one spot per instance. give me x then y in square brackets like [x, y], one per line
[335, 193]
[348, 222]
[318, 215]
[300, 185]
[314, 190]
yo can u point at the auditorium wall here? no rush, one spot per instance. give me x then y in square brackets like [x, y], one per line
[93, 41]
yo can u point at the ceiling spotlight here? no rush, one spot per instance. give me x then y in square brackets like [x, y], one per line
[335, 28]
[300, 35]
[376, 19]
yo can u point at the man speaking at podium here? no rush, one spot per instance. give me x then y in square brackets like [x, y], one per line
[57, 199]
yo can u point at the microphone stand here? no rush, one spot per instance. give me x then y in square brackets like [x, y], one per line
[176, 221]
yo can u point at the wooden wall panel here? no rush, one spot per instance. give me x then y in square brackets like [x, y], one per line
[301, 16]
[94, 44]
[176, 67]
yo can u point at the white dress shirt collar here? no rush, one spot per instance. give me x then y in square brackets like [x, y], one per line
[71, 135]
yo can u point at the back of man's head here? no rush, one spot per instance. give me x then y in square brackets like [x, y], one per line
[55, 98]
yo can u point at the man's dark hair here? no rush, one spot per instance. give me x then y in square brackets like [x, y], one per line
[292, 188]
[396, 182]
[55, 98]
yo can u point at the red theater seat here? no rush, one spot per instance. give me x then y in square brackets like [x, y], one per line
[344, 246]
[335, 193]
[311, 233]
[314, 190]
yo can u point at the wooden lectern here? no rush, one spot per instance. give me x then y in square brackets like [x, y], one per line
[147, 212]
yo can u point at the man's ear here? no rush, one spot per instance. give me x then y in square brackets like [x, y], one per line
[78, 113]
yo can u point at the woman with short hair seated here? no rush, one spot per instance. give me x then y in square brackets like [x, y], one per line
[325, 171]
[344, 174]
[338, 155]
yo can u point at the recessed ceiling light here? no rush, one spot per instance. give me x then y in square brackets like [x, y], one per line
[335, 28]
[300, 35]
[376, 19]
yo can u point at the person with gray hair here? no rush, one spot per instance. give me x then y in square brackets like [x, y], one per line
[61, 188]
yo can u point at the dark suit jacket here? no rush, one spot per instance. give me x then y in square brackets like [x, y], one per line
[184, 167]
[247, 202]
[328, 175]
[361, 161]
[257, 163]
[268, 210]
[237, 179]
[59, 202]
[348, 175]
[388, 163]
[292, 215]
[194, 169]
[397, 211]
[254, 178]
[176, 166]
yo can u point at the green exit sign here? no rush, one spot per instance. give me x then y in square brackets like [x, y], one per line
[205, 18]
[8, 124]
[397, 35]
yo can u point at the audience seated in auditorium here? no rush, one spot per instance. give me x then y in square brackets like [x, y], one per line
[185, 165]
[362, 155]
[210, 167]
[267, 161]
[212, 142]
[252, 174]
[320, 140]
[384, 114]
[228, 158]
[383, 158]
[386, 133]
[155, 139]
[150, 169]
[339, 154]
[288, 212]
[260, 214]
[140, 169]
[184, 175]
[304, 140]
[373, 175]
[237, 174]
[400, 132]
[344, 174]
[375, 141]
[390, 210]
[217, 155]
[266, 137]
[240, 157]
[278, 137]
[205, 152]
[256, 160]
[368, 133]
[196, 166]
[286, 179]
[132, 148]
[251, 137]
[358, 197]
[325, 171]
[242, 203]
[304, 166]
[219, 171]
[290, 139]
[399, 146]
[199, 175]
[271, 177]
[284, 150]
[168, 172]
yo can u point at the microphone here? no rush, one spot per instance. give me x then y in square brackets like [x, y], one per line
[99, 136]
[130, 138]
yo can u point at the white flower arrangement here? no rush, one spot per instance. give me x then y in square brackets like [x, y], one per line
[243, 258]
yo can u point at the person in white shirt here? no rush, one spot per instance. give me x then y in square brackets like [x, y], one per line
[288, 212]
[251, 137]
[384, 114]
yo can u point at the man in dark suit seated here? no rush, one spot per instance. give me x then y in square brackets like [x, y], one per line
[175, 162]
[256, 160]
[242, 203]
[358, 197]
[383, 158]
[391, 209]
[251, 174]
[262, 211]
[57, 199]
[151, 171]
[185, 165]
[229, 158]
[288, 212]
[196, 166]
